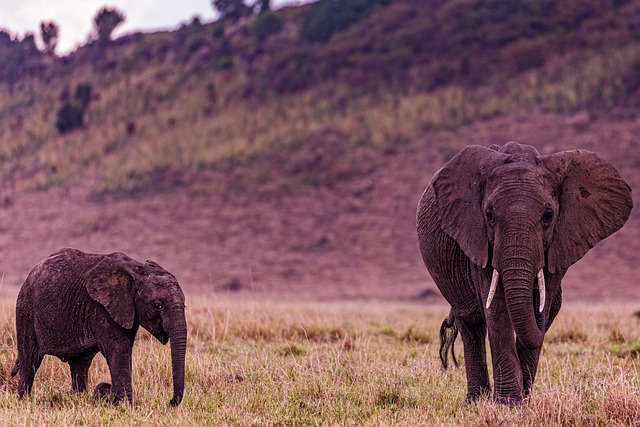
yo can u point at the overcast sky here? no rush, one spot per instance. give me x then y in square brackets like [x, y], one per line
[75, 17]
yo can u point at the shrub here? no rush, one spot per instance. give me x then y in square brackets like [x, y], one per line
[71, 114]
[192, 47]
[289, 71]
[225, 63]
[527, 53]
[265, 25]
[440, 74]
[325, 17]
[83, 95]
[231, 9]
[17, 57]
[70, 117]
[218, 30]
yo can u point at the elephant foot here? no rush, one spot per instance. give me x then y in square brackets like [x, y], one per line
[473, 396]
[510, 401]
[102, 390]
[175, 401]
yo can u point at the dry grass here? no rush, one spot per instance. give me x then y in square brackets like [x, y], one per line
[346, 363]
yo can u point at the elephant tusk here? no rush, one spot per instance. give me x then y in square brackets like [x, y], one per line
[542, 288]
[492, 289]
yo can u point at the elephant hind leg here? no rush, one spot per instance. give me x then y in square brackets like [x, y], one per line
[80, 372]
[28, 371]
[29, 354]
[475, 359]
[102, 391]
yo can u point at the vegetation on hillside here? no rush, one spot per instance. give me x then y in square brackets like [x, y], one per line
[225, 93]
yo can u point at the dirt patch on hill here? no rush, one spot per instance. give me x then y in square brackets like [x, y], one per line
[323, 220]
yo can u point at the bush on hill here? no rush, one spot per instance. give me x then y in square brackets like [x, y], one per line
[266, 24]
[325, 17]
[70, 117]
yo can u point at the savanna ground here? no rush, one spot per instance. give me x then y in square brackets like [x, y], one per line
[340, 363]
[308, 303]
[290, 220]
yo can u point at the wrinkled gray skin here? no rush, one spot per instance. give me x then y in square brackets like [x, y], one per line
[510, 209]
[74, 304]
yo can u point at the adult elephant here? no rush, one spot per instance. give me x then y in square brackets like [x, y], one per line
[74, 304]
[498, 229]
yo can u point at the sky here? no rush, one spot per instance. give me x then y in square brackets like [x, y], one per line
[75, 17]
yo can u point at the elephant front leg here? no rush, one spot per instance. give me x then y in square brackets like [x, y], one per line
[475, 359]
[528, 364]
[507, 374]
[529, 357]
[120, 368]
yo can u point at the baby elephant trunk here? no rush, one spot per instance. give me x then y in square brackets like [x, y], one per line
[178, 342]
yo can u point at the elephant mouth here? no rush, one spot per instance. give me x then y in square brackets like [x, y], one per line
[160, 334]
[163, 337]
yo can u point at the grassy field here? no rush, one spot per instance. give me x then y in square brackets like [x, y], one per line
[340, 363]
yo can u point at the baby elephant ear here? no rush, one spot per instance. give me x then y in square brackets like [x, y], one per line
[110, 285]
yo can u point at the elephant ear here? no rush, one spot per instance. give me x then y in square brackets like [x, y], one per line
[110, 284]
[459, 188]
[595, 202]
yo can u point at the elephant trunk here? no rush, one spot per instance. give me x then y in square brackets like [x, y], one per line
[518, 280]
[178, 342]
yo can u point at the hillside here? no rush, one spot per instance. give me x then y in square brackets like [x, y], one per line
[290, 166]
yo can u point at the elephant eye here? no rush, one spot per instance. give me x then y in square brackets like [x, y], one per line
[547, 217]
[491, 218]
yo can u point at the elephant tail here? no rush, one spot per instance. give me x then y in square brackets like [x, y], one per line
[15, 369]
[448, 335]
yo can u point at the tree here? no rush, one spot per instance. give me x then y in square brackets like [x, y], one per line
[49, 32]
[28, 45]
[265, 6]
[17, 56]
[106, 21]
[231, 9]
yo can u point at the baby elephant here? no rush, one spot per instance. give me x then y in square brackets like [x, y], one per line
[74, 304]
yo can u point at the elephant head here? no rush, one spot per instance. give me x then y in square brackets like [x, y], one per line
[527, 217]
[144, 294]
